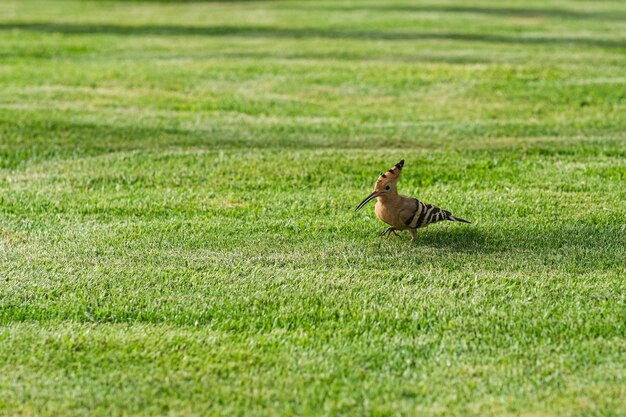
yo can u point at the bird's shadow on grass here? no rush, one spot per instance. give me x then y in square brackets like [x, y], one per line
[466, 239]
[570, 242]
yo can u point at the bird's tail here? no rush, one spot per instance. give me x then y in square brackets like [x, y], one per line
[457, 219]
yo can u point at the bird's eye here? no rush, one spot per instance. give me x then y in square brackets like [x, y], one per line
[387, 188]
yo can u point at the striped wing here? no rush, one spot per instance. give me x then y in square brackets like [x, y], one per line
[425, 214]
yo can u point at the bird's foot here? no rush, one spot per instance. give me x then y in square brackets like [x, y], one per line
[387, 231]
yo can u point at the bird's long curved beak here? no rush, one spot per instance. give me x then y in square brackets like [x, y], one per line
[367, 200]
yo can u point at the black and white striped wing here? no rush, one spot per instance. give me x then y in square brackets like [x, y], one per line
[426, 214]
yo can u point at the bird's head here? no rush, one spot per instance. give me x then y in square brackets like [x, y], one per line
[386, 184]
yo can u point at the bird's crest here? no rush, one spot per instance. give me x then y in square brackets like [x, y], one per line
[393, 174]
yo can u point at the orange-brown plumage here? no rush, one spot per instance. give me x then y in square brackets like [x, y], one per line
[401, 212]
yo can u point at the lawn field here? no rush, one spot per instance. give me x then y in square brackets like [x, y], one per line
[177, 191]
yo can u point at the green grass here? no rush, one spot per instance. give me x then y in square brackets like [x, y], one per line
[177, 192]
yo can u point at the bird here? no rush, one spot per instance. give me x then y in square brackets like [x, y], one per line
[401, 212]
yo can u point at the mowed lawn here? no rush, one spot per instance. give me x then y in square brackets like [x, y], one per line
[177, 192]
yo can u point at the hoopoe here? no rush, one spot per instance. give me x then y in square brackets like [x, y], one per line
[401, 212]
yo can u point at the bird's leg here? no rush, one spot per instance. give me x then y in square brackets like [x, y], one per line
[387, 231]
[413, 234]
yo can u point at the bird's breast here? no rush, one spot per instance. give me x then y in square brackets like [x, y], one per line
[388, 214]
